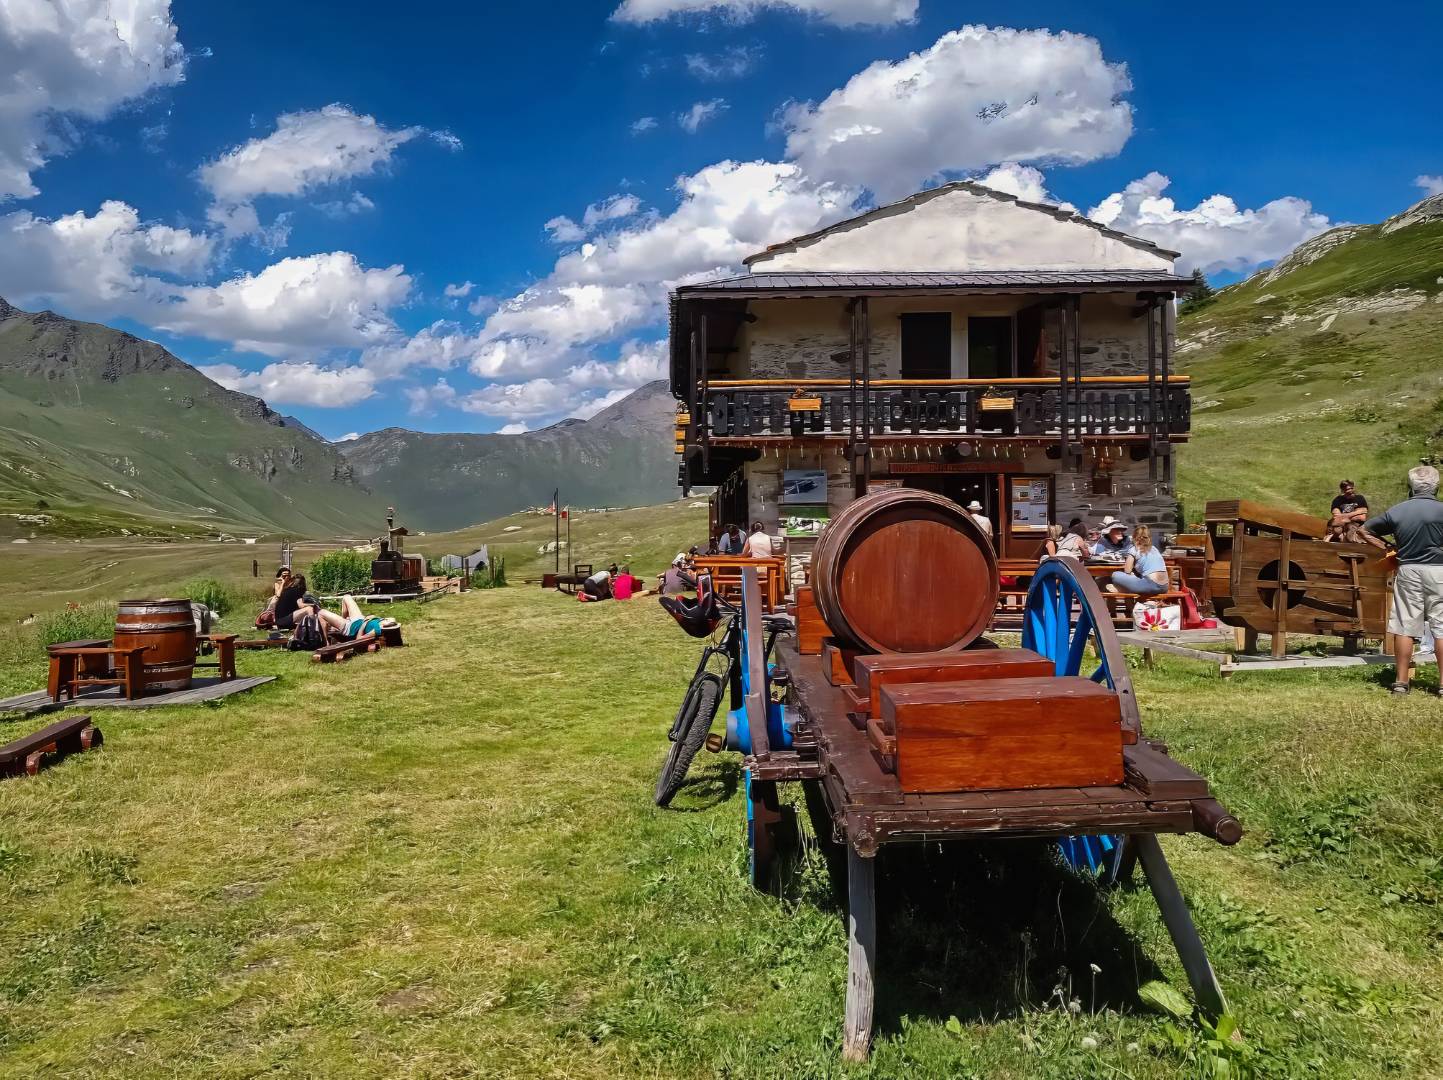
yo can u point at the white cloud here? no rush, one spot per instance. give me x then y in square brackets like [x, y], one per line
[483, 305]
[1431, 185]
[81, 58]
[350, 436]
[298, 384]
[1214, 235]
[340, 208]
[613, 209]
[1023, 181]
[517, 428]
[729, 63]
[93, 265]
[643, 124]
[307, 151]
[447, 141]
[976, 97]
[296, 305]
[691, 120]
[841, 12]
[459, 290]
[442, 346]
[562, 230]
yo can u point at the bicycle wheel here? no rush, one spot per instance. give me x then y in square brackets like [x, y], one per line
[701, 705]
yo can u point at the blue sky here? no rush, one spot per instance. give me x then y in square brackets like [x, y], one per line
[282, 194]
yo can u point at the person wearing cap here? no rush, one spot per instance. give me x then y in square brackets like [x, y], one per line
[974, 511]
[1112, 543]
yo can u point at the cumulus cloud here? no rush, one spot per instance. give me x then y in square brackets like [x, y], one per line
[562, 230]
[296, 305]
[643, 124]
[729, 63]
[1431, 185]
[458, 290]
[95, 264]
[517, 428]
[692, 120]
[840, 12]
[1214, 235]
[613, 209]
[298, 384]
[307, 151]
[350, 436]
[82, 58]
[341, 208]
[442, 346]
[976, 97]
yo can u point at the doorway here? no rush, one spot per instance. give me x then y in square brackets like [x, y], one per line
[926, 345]
[989, 347]
[963, 488]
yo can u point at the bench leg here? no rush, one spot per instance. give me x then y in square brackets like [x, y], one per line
[226, 660]
[861, 955]
[1180, 928]
[134, 676]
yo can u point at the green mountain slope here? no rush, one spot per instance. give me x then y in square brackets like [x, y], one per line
[101, 431]
[622, 456]
[1329, 365]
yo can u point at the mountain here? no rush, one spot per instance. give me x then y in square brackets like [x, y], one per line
[101, 431]
[622, 456]
[1326, 366]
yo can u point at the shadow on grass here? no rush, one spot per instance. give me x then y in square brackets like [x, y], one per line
[995, 929]
[708, 783]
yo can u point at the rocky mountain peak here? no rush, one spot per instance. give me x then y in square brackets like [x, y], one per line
[1420, 213]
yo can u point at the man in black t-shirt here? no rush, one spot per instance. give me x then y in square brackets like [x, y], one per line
[1349, 511]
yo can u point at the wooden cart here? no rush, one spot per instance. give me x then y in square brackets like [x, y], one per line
[1103, 830]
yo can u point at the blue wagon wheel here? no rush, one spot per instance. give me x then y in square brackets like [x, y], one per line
[1063, 616]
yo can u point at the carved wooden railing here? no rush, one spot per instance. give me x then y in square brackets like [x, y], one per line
[1099, 406]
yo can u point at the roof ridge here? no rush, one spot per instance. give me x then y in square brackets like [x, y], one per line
[916, 198]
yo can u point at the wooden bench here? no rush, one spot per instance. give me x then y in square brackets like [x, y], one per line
[389, 637]
[69, 736]
[1010, 601]
[726, 577]
[74, 666]
[224, 662]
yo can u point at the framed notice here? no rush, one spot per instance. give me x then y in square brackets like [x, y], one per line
[1031, 503]
[805, 520]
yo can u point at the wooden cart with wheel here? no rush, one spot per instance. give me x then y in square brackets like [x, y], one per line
[867, 799]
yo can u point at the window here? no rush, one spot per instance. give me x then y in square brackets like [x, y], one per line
[989, 347]
[927, 345]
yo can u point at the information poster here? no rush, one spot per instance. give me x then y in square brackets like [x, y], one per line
[805, 520]
[1031, 503]
[804, 487]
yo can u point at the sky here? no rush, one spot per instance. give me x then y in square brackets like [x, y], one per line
[467, 217]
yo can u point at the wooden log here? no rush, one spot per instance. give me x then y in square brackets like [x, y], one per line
[1212, 819]
[999, 734]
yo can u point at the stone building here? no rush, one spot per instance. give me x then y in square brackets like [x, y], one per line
[960, 340]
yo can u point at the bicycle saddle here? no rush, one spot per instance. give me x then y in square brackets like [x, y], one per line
[780, 622]
[697, 617]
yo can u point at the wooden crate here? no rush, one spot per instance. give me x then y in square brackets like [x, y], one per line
[837, 660]
[811, 628]
[1002, 734]
[872, 672]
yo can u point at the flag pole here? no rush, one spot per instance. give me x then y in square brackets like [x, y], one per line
[556, 512]
[568, 534]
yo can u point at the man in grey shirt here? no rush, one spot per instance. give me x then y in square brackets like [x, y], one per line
[1417, 525]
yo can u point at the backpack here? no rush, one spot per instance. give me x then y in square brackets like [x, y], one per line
[309, 634]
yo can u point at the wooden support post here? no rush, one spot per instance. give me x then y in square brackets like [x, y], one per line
[1280, 598]
[1180, 928]
[861, 955]
[756, 698]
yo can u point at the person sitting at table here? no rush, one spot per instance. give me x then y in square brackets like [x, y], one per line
[759, 544]
[1145, 572]
[1112, 544]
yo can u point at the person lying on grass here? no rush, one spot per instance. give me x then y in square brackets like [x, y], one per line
[352, 622]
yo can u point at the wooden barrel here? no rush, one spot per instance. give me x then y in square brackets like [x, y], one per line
[905, 571]
[167, 630]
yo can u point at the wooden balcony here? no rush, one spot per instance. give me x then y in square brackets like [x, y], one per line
[738, 412]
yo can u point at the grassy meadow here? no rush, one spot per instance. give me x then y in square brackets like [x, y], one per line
[443, 861]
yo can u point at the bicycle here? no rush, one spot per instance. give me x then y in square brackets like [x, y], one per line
[692, 724]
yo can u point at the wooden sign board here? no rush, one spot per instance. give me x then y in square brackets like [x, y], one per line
[997, 404]
[804, 404]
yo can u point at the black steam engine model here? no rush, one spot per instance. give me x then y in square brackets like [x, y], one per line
[393, 572]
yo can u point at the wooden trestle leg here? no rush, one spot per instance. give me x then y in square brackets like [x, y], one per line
[1180, 927]
[861, 955]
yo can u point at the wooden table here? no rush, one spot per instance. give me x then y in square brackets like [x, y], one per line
[72, 666]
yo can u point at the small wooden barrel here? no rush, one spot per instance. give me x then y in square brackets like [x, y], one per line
[167, 630]
[902, 570]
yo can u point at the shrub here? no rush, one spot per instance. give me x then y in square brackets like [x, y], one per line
[490, 577]
[208, 591]
[340, 572]
[86, 622]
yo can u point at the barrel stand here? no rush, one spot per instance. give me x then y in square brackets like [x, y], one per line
[862, 806]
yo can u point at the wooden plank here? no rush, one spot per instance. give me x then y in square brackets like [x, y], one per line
[861, 955]
[891, 825]
[1160, 777]
[873, 672]
[1004, 733]
[837, 660]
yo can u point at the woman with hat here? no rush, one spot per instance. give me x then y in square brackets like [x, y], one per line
[1112, 545]
[974, 511]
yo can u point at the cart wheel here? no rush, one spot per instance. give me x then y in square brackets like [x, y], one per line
[1063, 615]
[771, 834]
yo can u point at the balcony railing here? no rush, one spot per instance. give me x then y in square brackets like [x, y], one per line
[1126, 407]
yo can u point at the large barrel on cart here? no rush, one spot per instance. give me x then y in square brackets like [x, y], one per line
[905, 571]
[908, 726]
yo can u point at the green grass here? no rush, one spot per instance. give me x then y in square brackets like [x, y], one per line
[443, 861]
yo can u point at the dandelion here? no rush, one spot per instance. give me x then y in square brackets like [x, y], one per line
[1134, 1048]
[1089, 1042]
[1095, 969]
